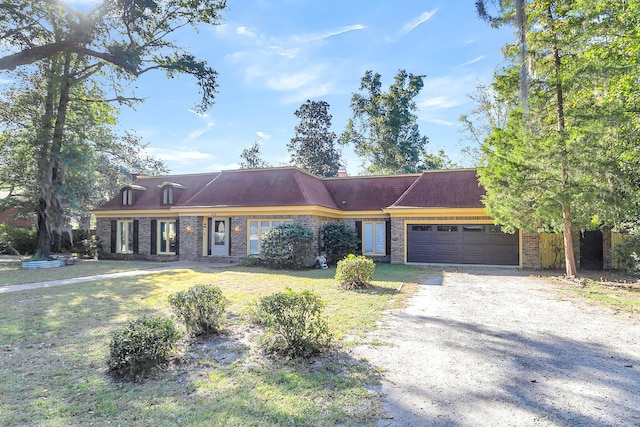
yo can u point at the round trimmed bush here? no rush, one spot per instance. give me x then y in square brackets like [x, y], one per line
[141, 344]
[355, 272]
[293, 323]
[201, 308]
[289, 246]
[338, 240]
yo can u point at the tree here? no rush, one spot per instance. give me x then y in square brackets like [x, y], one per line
[491, 111]
[253, 157]
[313, 147]
[66, 48]
[383, 128]
[560, 166]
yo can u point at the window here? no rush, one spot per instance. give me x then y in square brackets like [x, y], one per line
[448, 228]
[125, 237]
[473, 228]
[373, 238]
[420, 228]
[167, 196]
[257, 228]
[127, 197]
[166, 237]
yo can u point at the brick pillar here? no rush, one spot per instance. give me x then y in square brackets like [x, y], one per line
[606, 248]
[530, 251]
[397, 240]
[190, 237]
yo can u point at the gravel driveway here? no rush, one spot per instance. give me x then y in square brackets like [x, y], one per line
[495, 347]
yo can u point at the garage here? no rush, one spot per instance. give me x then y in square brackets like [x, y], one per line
[461, 244]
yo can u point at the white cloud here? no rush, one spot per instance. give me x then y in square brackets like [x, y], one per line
[416, 22]
[325, 35]
[202, 115]
[177, 155]
[195, 134]
[292, 81]
[473, 61]
[439, 102]
[441, 122]
[244, 31]
[310, 92]
[263, 135]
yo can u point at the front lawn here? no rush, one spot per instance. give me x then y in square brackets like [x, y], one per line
[11, 272]
[54, 341]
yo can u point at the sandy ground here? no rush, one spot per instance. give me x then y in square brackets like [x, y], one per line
[495, 347]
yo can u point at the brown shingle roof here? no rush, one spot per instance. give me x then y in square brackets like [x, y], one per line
[151, 198]
[264, 187]
[290, 186]
[368, 193]
[444, 189]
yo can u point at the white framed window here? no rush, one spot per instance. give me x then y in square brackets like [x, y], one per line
[257, 228]
[124, 237]
[167, 196]
[373, 238]
[167, 237]
[127, 197]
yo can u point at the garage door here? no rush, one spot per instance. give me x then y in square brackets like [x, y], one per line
[461, 244]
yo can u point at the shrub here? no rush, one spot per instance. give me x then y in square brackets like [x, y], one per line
[355, 272]
[338, 240]
[289, 246]
[626, 255]
[201, 308]
[293, 323]
[87, 248]
[141, 344]
[252, 261]
[17, 241]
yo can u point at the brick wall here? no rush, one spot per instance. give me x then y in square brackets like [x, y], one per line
[530, 251]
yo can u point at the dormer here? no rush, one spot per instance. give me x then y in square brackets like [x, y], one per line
[127, 193]
[171, 192]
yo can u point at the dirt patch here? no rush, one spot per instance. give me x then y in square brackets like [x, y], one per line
[487, 347]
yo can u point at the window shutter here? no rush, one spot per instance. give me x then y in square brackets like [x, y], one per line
[209, 225]
[359, 234]
[136, 227]
[388, 237]
[154, 237]
[114, 235]
[177, 236]
[229, 233]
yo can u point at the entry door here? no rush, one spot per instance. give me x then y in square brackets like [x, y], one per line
[220, 237]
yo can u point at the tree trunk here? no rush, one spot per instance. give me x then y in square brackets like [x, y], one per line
[567, 232]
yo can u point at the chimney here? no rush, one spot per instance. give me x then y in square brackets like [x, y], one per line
[342, 172]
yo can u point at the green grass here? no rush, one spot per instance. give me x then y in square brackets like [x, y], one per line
[54, 342]
[618, 297]
[11, 272]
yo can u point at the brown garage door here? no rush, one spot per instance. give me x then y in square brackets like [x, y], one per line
[461, 244]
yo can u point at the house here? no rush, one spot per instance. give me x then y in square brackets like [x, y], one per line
[431, 217]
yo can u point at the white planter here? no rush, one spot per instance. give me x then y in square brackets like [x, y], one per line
[33, 265]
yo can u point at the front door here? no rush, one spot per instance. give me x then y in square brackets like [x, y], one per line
[220, 237]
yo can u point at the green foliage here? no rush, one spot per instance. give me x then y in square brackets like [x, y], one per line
[252, 261]
[87, 248]
[626, 255]
[141, 344]
[289, 246]
[384, 129]
[201, 308]
[355, 272]
[293, 323]
[338, 240]
[313, 148]
[252, 158]
[16, 240]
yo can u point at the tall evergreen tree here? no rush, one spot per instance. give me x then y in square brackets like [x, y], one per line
[313, 148]
[384, 129]
[559, 168]
[252, 157]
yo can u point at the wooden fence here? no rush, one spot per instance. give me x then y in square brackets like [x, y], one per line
[552, 249]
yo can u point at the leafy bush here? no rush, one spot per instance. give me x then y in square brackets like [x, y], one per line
[141, 344]
[626, 255]
[252, 261]
[289, 246]
[293, 323]
[355, 272]
[87, 248]
[338, 240]
[16, 240]
[201, 308]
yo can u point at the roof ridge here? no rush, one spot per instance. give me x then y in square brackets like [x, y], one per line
[186, 202]
[413, 184]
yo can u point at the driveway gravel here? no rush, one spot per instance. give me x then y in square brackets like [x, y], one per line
[497, 347]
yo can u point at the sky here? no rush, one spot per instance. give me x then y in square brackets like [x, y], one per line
[273, 55]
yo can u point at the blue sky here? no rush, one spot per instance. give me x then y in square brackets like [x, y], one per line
[273, 55]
